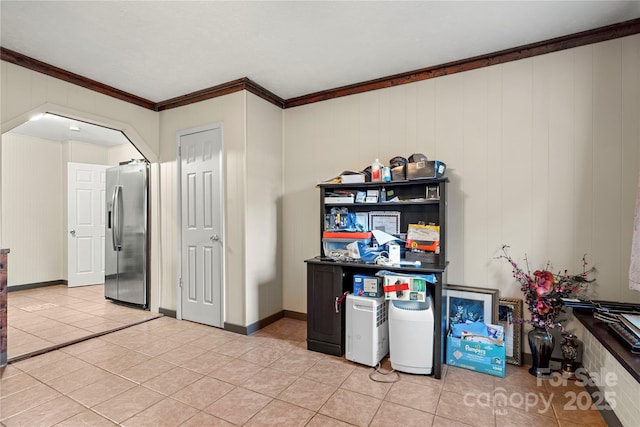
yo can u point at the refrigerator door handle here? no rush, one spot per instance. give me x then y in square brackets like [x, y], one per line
[116, 230]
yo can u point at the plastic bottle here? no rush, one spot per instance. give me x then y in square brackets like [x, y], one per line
[386, 174]
[376, 171]
[383, 195]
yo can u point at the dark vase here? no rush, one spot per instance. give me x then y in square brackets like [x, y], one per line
[541, 344]
[570, 347]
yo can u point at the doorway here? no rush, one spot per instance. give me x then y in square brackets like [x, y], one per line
[86, 224]
[200, 213]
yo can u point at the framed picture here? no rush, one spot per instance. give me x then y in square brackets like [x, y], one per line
[362, 221]
[510, 309]
[389, 222]
[469, 304]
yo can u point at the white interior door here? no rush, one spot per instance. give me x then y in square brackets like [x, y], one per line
[85, 219]
[202, 244]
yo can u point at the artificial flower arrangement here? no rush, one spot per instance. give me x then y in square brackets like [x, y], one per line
[543, 290]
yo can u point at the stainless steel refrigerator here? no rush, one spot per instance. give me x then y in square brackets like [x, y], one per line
[126, 233]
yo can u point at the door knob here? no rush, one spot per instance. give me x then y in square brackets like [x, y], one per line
[215, 238]
[73, 233]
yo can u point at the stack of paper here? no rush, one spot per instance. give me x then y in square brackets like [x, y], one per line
[631, 322]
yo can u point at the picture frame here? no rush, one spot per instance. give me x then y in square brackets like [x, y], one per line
[510, 309]
[387, 221]
[468, 303]
[362, 221]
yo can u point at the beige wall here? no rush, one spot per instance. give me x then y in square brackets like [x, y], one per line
[543, 154]
[122, 153]
[79, 152]
[263, 243]
[32, 208]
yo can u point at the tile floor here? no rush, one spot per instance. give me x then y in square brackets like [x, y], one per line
[45, 317]
[166, 372]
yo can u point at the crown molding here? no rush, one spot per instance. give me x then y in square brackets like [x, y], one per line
[596, 35]
[76, 79]
[219, 90]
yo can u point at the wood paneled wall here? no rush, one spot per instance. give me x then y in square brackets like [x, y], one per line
[543, 155]
[33, 206]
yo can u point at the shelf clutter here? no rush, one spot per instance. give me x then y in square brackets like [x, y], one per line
[417, 166]
[382, 225]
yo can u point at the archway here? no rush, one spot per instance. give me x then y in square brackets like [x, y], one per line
[30, 161]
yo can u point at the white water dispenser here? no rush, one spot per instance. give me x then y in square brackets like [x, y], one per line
[411, 333]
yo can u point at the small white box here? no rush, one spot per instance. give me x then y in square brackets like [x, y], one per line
[341, 200]
[352, 178]
[394, 253]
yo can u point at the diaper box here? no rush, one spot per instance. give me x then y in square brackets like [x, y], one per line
[479, 354]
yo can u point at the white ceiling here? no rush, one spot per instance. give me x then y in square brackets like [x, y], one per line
[57, 128]
[163, 49]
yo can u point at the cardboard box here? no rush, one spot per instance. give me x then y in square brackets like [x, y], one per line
[425, 170]
[484, 357]
[367, 286]
[404, 288]
[399, 173]
[423, 237]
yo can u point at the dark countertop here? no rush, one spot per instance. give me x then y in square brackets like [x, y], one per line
[4, 251]
[630, 361]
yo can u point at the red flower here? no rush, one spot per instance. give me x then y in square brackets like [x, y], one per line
[543, 291]
[544, 282]
[542, 308]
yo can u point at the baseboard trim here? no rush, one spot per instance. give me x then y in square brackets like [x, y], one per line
[608, 415]
[167, 312]
[36, 285]
[248, 330]
[295, 315]
[236, 329]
